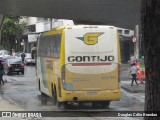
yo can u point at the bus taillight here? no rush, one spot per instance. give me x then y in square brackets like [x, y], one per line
[119, 72]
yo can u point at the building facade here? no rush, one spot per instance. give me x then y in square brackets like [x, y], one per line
[126, 44]
[35, 26]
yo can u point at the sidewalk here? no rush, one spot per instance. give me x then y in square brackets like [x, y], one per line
[7, 106]
[126, 85]
[125, 67]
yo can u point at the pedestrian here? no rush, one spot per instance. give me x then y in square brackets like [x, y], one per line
[1, 73]
[23, 57]
[33, 50]
[13, 53]
[132, 60]
[133, 72]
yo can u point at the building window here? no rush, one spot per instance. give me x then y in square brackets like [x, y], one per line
[126, 31]
[40, 19]
[120, 31]
[32, 28]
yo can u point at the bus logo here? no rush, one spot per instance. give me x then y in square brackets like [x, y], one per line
[90, 38]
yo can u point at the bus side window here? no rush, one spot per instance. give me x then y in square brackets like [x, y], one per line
[38, 45]
[52, 46]
[55, 50]
[48, 46]
[58, 47]
[43, 48]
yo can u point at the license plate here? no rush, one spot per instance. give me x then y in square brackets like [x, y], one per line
[92, 93]
[16, 69]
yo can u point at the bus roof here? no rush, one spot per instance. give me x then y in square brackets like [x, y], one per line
[61, 28]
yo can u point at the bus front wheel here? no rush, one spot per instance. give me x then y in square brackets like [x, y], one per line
[54, 97]
[43, 99]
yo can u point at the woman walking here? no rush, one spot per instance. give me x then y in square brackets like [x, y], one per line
[133, 72]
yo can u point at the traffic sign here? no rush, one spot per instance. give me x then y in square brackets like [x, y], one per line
[134, 39]
[22, 43]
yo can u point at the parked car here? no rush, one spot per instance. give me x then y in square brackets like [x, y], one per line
[18, 55]
[4, 53]
[28, 59]
[13, 65]
[4, 59]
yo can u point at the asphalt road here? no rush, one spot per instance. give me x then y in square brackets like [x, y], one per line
[22, 91]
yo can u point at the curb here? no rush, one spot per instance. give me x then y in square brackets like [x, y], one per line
[133, 89]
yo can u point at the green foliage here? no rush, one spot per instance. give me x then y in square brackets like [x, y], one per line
[11, 31]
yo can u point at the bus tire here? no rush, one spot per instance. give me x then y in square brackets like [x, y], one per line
[42, 94]
[95, 104]
[43, 99]
[54, 97]
[59, 104]
[81, 104]
[62, 105]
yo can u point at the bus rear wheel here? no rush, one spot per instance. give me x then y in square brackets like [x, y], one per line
[54, 97]
[97, 104]
[62, 105]
[101, 104]
[106, 104]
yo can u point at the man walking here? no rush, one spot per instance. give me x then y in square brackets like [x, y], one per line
[23, 56]
[13, 53]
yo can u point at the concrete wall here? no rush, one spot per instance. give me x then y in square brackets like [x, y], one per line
[120, 13]
[29, 20]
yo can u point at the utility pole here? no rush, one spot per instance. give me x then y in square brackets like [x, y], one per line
[136, 45]
[50, 23]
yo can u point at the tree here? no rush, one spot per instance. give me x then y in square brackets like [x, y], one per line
[11, 31]
[151, 35]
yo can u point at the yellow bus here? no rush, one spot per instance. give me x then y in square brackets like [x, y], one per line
[79, 63]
